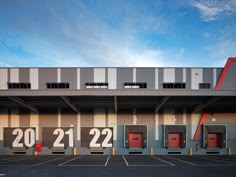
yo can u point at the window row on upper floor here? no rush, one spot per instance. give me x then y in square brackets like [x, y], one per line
[104, 85]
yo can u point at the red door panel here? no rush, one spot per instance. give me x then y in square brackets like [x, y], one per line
[213, 139]
[174, 139]
[135, 139]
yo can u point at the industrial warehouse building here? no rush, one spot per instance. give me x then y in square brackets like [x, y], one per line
[118, 110]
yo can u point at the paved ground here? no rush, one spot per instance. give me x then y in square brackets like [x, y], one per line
[118, 166]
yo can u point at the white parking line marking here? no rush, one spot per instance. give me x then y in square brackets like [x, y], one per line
[16, 160]
[2, 174]
[163, 161]
[107, 160]
[181, 160]
[69, 160]
[217, 160]
[127, 164]
[49, 161]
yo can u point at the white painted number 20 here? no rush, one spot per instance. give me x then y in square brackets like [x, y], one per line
[28, 136]
[96, 132]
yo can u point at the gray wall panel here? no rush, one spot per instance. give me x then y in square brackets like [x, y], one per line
[179, 75]
[47, 75]
[124, 75]
[86, 75]
[24, 75]
[160, 78]
[218, 74]
[188, 78]
[207, 76]
[146, 75]
[69, 75]
[230, 78]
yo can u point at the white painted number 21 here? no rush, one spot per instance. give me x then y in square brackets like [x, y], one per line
[60, 132]
[96, 132]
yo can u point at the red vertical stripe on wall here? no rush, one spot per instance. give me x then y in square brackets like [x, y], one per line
[218, 86]
[199, 127]
[224, 73]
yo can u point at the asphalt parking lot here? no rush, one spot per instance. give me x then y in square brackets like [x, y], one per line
[118, 166]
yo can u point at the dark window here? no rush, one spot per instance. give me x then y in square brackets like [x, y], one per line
[135, 85]
[19, 85]
[204, 85]
[96, 85]
[174, 85]
[54, 85]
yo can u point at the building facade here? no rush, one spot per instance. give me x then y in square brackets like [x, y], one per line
[118, 110]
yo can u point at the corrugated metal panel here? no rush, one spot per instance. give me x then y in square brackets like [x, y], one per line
[184, 75]
[124, 92]
[149, 120]
[58, 74]
[124, 75]
[112, 78]
[218, 73]
[188, 78]
[160, 78]
[112, 122]
[78, 78]
[230, 78]
[47, 75]
[99, 118]
[69, 75]
[3, 121]
[169, 117]
[47, 120]
[24, 120]
[196, 77]
[146, 75]
[86, 75]
[68, 120]
[14, 117]
[156, 79]
[34, 122]
[14, 75]
[87, 119]
[134, 75]
[169, 75]
[34, 78]
[24, 75]
[99, 75]
[208, 76]
[214, 78]
[178, 75]
[3, 78]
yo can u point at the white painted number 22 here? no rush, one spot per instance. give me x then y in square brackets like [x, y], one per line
[96, 132]
[28, 136]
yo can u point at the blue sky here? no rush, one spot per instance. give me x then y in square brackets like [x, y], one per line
[117, 32]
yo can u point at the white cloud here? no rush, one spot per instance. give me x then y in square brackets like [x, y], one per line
[211, 9]
[221, 51]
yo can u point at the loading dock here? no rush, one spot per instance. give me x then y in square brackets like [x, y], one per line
[214, 136]
[174, 139]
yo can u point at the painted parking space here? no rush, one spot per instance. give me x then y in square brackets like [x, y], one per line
[86, 160]
[137, 160]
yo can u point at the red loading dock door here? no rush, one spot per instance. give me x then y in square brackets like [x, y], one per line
[213, 140]
[174, 139]
[135, 140]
